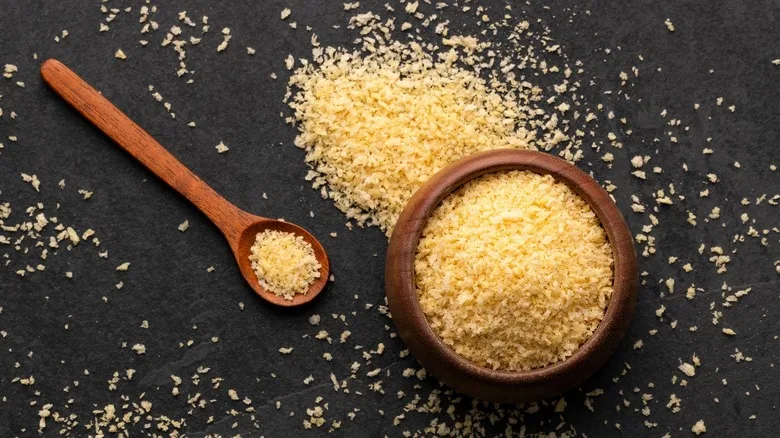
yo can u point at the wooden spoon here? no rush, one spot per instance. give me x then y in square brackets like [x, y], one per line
[238, 226]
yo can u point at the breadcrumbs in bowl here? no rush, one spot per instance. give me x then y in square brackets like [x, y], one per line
[511, 276]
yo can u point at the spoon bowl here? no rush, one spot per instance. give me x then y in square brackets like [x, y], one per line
[238, 226]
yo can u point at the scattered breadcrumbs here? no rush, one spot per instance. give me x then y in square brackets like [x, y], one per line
[285, 264]
[514, 271]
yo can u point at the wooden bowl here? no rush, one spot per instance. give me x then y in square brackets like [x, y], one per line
[441, 360]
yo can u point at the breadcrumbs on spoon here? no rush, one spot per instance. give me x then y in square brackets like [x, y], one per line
[285, 264]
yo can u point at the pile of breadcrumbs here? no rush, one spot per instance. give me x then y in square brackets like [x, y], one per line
[285, 264]
[376, 125]
[514, 271]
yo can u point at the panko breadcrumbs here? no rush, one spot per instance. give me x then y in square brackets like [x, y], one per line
[375, 127]
[285, 264]
[514, 271]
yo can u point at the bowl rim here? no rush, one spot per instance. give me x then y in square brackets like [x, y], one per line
[440, 359]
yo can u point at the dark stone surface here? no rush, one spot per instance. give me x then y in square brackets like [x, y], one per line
[234, 100]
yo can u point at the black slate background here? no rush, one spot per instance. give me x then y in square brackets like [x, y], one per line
[235, 101]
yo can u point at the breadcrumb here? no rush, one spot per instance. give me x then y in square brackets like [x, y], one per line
[184, 226]
[222, 148]
[285, 264]
[374, 131]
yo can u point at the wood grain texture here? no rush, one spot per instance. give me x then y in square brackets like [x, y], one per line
[238, 226]
[461, 374]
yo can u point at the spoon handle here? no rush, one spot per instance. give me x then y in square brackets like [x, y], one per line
[138, 143]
